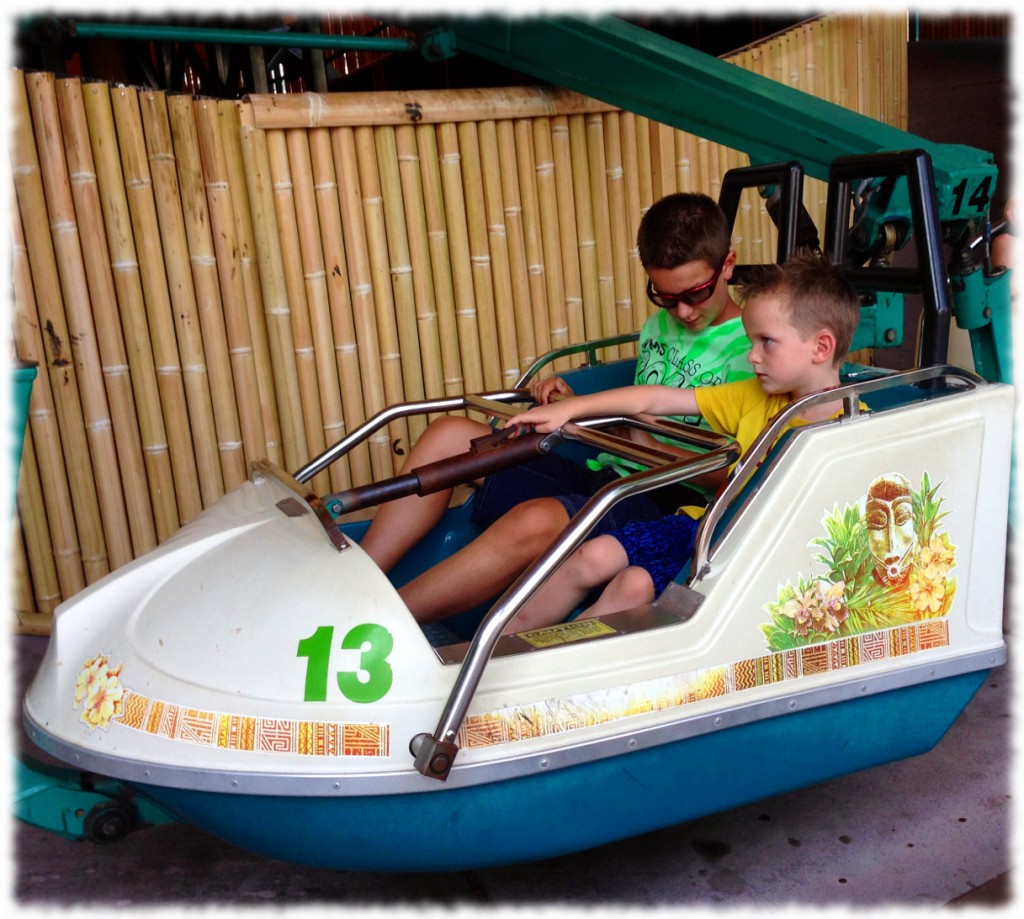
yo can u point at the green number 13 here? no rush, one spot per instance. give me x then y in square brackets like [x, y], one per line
[369, 682]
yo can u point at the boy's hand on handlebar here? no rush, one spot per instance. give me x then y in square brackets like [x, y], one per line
[550, 390]
[544, 418]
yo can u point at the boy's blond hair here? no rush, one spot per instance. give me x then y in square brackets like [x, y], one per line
[816, 295]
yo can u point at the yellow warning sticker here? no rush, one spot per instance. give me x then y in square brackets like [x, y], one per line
[566, 632]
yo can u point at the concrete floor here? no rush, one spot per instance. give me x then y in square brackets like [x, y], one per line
[926, 832]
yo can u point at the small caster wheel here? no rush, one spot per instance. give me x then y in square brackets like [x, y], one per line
[108, 822]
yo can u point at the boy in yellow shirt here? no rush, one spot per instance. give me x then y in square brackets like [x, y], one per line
[800, 319]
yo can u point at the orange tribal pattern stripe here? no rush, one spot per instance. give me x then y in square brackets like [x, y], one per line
[567, 713]
[254, 734]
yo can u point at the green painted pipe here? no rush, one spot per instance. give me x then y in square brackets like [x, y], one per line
[239, 37]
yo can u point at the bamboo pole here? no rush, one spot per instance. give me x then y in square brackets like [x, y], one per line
[320, 329]
[440, 263]
[389, 354]
[459, 251]
[196, 378]
[586, 234]
[131, 307]
[547, 199]
[643, 148]
[43, 427]
[599, 192]
[663, 160]
[617, 217]
[52, 352]
[845, 38]
[213, 269]
[112, 543]
[20, 594]
[346, 166]
[532, 233]
[811, 36]
[568, 255]
[428, 335]
[282, 146]
[146, 229]
[515, 238]
[355, 466]
[275, 296]
[898, 46]
[251, 365]
[36, 528]
[497, 246]
[636, 277]
[878, 107]
[103, 299]
[402, 268]
[420, 107]
[479, 254]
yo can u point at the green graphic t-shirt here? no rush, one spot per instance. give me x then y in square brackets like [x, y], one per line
[669, 354]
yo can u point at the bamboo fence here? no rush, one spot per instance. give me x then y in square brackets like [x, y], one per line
[206, 283]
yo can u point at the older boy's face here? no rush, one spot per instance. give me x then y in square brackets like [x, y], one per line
[692, 275]
[781, 358]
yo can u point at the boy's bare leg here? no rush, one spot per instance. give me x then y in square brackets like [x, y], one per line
[488, 564]
[629, 588]
[398, 525]
[594, 563]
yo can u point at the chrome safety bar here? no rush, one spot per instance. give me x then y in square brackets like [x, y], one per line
[850, 394]
[456, 403]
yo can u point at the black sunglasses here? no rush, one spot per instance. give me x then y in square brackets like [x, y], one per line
[693, 296]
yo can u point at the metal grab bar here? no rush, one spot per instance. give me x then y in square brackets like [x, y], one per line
[456, 403]
[435, 753]
[850, 394]
[404, 410]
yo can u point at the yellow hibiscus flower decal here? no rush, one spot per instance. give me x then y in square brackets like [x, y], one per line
[98, 689]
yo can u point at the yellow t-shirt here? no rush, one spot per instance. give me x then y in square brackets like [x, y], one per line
[742, 410]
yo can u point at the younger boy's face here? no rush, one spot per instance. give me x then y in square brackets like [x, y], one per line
[782, 359]
[688, 276]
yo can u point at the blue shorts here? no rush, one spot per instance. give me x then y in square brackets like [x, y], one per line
[661, 547]
[571, 484]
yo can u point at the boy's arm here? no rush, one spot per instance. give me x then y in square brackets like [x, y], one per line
[629, 400]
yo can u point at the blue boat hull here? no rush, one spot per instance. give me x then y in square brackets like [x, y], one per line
[576, 808]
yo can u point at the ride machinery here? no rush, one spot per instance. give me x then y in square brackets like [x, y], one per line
[259, 676]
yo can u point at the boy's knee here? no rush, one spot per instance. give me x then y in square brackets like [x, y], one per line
[636, 585]
[538, 518]
[600, 558]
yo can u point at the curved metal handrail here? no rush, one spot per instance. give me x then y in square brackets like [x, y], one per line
[455, 403]
[404, 410]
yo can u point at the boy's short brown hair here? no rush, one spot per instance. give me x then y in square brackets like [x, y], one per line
[816, 295]
[683, 227]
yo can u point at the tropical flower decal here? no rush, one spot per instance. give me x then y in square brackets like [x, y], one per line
[886, 564]
[100, 692]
